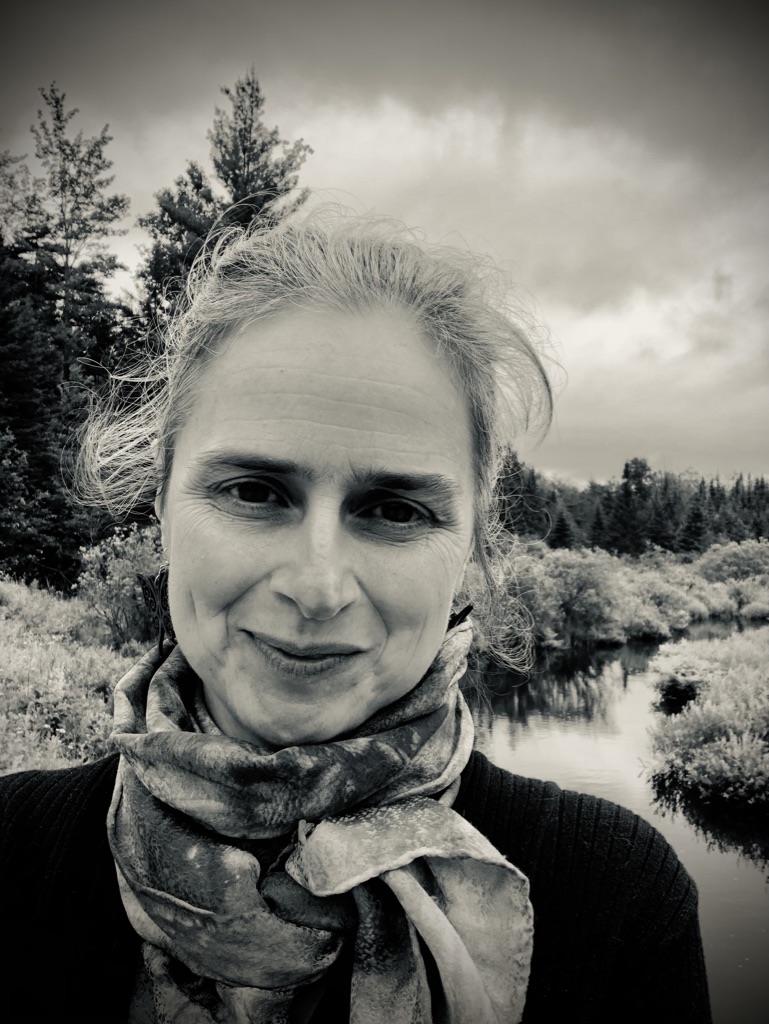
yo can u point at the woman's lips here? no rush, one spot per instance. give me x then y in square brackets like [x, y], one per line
[306, 659]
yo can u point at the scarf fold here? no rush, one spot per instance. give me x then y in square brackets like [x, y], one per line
[251, 874]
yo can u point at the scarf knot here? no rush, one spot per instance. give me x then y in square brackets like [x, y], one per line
[254, 877]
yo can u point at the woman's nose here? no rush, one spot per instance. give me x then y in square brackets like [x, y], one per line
[315, 570]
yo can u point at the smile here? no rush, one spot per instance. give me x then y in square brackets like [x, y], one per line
[304, 660]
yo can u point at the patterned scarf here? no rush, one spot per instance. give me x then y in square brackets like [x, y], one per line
[255, 878]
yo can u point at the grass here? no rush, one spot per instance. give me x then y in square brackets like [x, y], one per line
[56, 680]
[715, 750]
[590, 597]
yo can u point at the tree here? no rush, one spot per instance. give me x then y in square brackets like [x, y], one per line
[694, 534]
[56, 321]
[19, 518]
[256, 173]
[71, 214]
[78, 211]
[598, 529]
[523, 507]
[562, 534]
[661, 530]
[637, 474]
[627, 529]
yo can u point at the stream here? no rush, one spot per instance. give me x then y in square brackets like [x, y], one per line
[585, 725]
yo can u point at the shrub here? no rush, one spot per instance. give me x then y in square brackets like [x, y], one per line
[751, 590]
[756, 610]
[55, 693]
[641, 618]
[717, 748]
[671, 601]
[715, 599]
[582, 597]
[108, 583]
[571, 596]
[734, 561]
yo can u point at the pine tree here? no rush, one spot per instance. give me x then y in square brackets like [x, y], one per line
[661, 528]
[55, 321]
[562, 534]
[693, 536]
[598, 529]
[73, 214]
[256, 174]
[760, 508]
[21, 517]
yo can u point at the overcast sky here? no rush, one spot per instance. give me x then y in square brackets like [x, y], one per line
[612, 156]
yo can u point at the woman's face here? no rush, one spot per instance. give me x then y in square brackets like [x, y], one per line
[317, 519]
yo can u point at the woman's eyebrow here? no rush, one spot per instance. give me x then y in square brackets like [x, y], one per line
[252, 461]
[364, 479]
[433, 483]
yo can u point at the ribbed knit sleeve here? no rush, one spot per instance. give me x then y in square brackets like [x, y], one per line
[616, 934]
[70, 954]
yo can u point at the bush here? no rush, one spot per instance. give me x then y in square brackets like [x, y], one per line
[716, 599]
[717, 748]
[642, 618]
[734, 561]
[109, 586]
[751, 590]
[756, 610]
[570, 595]
[582, 597]
[55, 692]
[671, 601]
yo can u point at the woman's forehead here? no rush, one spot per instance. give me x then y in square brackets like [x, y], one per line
[367, 388]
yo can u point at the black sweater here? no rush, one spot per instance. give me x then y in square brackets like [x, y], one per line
[616, 936]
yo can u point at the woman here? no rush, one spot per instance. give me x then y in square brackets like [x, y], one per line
[297, 827]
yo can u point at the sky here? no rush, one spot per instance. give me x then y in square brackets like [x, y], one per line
[612, 156]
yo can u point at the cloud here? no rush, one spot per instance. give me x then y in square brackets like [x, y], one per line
[612, 157]
[587, 215]
[682, 381]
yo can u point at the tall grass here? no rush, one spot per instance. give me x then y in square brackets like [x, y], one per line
[56, 677]
[717, 748]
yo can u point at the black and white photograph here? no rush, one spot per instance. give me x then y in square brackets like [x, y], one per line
[384, 512]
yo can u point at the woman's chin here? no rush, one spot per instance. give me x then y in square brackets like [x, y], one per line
[273, 736]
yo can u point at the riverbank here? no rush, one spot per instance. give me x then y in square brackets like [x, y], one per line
[583, 721]
[588, 597]
[715, 750]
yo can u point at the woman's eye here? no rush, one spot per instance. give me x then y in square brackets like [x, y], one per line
[400, 512]
[253, 492]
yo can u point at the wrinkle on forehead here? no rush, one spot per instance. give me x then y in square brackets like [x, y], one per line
[367, 382]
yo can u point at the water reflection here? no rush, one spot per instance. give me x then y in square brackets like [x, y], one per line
[565, 685]
[570, 695]
[722, 828]
[582, 720]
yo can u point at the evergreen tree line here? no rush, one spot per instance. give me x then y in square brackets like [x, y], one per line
[642, 510]
[62, 332]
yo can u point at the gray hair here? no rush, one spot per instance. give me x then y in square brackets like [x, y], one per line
[333, 264]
